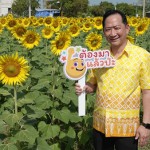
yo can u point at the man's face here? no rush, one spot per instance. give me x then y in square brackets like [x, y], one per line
[115, 31]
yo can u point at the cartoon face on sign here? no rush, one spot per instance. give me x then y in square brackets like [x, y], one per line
[77, 60]
[74, 67]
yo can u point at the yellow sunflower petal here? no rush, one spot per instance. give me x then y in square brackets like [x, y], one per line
[61, 42]
[13, 69]
[93, 41]
[31, 39]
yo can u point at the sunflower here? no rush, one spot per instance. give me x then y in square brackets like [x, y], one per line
[3, 21]
[40, 21]
[81, 20]
[31, 39]
[98, 23]
[34, 21]
[19, 31]
[19, 21]
[91, 20]
[72, 21]
[93, 41]
[56, 25]
[13, 70]
[74, 30]
[48, 21]
[87, 26]
[61, 42]
[47, 32]
[134, 21]
[11, 23]
[64, 21]
[26, 22]
[141, 28]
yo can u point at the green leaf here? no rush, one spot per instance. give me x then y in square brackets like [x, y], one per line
[34, 112]
[36, 73]
[47, 72]
[66, 97]
[3, 126]
[29, 98]
[55, 147]
[56, 104]
[4, 92]
[8, 146]
[57, 93]
[27, 134]
[43, 102]
[42, 144]
[84, 136]
[75, 118]
[11, 119]
[48, 131]
[62, 135]
[41, 83]
[63, 115]
[90, 100]
[9, 104]
[74, 98]
[71, 133]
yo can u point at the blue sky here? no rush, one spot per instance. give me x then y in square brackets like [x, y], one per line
[97, 2]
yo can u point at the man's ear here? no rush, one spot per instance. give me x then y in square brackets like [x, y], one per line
[127, 28]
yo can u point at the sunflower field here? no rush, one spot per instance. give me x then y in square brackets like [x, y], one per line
[39, 107]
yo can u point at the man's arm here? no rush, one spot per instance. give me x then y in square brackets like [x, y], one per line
[146, 106]
[142, 133]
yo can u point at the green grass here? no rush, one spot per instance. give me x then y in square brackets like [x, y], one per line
[147, 147]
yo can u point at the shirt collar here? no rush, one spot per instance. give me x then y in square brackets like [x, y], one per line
[128, 48]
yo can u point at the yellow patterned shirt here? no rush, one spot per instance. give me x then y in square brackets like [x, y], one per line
[117, 106]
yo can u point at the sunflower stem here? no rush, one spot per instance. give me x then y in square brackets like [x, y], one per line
[15, 99]
[53, 88]
[46, 46]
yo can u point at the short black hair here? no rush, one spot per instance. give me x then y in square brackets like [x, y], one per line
[112, 12]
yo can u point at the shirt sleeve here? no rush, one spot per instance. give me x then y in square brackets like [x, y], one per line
[145, 72]
[91, 78]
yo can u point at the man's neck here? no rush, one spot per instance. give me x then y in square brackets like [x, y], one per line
[118, 50]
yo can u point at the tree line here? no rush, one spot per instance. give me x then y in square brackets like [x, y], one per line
[79, 8]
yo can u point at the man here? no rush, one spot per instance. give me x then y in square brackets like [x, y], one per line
[117, 107]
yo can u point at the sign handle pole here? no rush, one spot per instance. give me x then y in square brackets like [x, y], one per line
[81, 98]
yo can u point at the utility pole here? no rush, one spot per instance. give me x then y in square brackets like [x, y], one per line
[136, 13]
[29, 8]
[143, 8]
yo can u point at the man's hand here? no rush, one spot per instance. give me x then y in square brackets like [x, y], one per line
[143, 135]
[88, 88]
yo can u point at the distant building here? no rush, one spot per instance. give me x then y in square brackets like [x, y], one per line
[42, 11]
[47, 12]
[5, 7]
